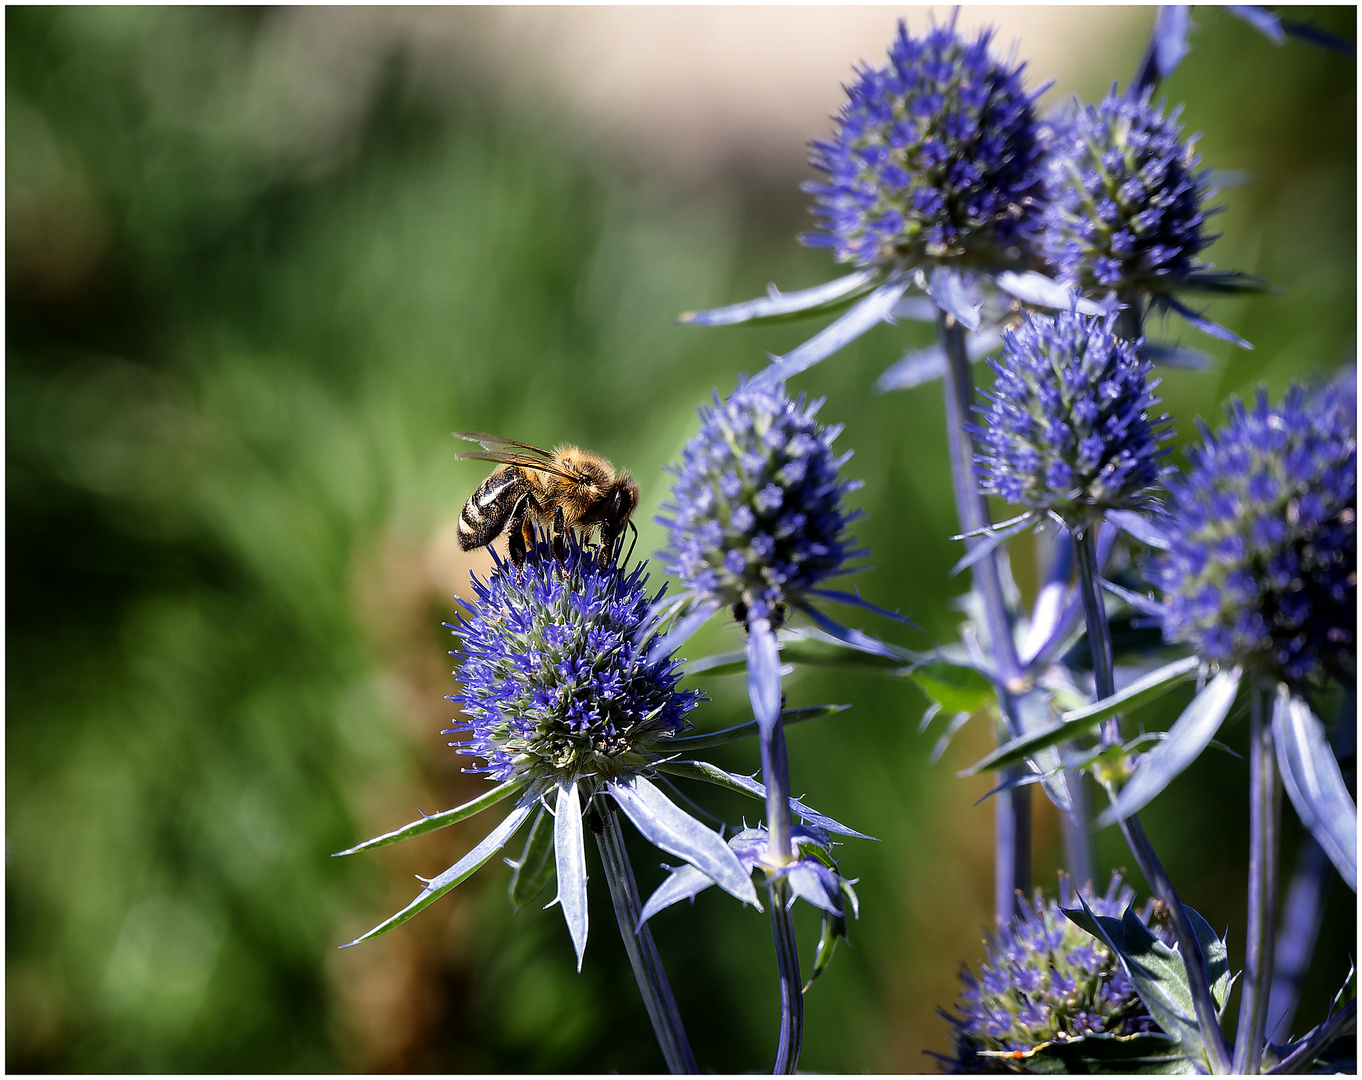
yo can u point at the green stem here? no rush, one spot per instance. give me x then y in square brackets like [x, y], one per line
[791, 986]
[1099, 638]
[638, 943]
[1264, 818]
[1012, 817]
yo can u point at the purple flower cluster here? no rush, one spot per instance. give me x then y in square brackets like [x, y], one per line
[1124, 199]
[756, 517]
[558, 681]
[1045, 979]
[1262, 564]
[1068, 426]
[935, 158]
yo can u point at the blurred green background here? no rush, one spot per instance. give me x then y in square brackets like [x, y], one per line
[260, 264]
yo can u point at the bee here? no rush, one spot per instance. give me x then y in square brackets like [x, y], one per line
[568, 488]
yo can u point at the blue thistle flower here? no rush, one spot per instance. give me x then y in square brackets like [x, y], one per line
[935, 158]
[1125, 199]
[557, 681]
[756, 517]
[1261, 567]
[1044, 980]
[568, 698]
[1068, 428]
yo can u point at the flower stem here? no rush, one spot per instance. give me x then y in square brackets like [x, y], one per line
[1264, 817]
[638, 943]
[791, 988]
[1099, 638]
[1013, 815]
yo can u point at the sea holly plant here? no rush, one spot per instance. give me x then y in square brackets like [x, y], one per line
[1257, 569]
[941, 178]
[577, 714]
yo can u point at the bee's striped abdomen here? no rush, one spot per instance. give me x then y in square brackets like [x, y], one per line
[488, 509]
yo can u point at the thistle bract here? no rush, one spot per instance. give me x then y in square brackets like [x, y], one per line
[1044, 980]
[558, 680]
[1125, 201]
[756, 510]
[935, 158]
[1068, 426]
[1262, 529]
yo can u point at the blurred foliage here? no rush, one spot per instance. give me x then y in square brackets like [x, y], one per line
[236, 345]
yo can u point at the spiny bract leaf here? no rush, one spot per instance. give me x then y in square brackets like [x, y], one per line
[1188, 736]
[1077, 721]
[535, 866]
[742, 731]
[431, 822]
[777, 306]
[1158, 973]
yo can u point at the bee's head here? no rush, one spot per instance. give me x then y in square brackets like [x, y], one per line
[623, 500]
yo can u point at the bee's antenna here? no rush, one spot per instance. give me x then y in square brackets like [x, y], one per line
[633, 529]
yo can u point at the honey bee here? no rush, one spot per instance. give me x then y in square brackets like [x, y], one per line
[568, 488]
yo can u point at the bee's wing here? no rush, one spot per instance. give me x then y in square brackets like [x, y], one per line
[522, 460]
[496, 444]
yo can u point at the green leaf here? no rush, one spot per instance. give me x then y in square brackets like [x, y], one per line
[431, 822]
[742, 731]
[1188, 736]
[1148, 1053]
[834, 926]
[535, 867]
[834, 930]
[1156, 971]
[958, 688]
[1143, 690]
[1217, 959]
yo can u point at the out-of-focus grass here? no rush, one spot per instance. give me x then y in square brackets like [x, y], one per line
[233, 363]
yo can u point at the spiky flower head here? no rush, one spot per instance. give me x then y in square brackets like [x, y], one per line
[935, 158]
[1068, 427]
[756, 510]
[1262, 564]
[1044, 980]
[559, 677]
[1126, 203]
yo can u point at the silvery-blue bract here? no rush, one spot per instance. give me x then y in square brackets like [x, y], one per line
[1262, 564]
[1125, 200]
[557, 680]
[1067, 427]
[935, 157]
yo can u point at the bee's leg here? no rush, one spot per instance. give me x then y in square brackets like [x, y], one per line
[559, 540]
[606, 547]
[519, 532]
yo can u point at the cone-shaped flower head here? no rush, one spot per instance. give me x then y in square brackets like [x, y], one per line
[1044, 979]
[1262, 564]
[1067, 427]
[559, 681]
[935, 158]
[1125, 200]
[756, 510]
